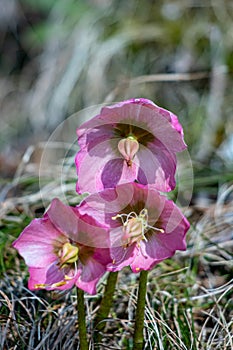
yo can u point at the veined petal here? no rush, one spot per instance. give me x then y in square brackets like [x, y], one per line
[116, 172]
[91, 233]
[159, 171]
[92, 133]
[175, 225]
[162, 124]
[63, 218]
[91, 273]
[107, 203]
[91, 164]
[121, 257]
[36, 243]
[50, 278]
[62, 246]
[107, 138]
[148, 255]
[163, 226]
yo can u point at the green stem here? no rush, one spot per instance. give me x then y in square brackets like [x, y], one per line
[138, 339]
[105, 304]
[81, 320]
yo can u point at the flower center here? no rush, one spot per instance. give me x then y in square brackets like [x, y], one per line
[68, 254]
[135, 227]
[128, 147]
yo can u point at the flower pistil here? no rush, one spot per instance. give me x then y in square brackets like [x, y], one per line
[135, 227]
[128, 147]
[68, 254]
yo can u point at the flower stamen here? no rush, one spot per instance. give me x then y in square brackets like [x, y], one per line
[135, 227]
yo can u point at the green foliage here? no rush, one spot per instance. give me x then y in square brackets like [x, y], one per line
[11, 227]
[41, 5]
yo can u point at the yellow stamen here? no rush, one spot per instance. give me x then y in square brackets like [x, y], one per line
[68, 278]
[53, 285]
[40, 285]
[58, 284]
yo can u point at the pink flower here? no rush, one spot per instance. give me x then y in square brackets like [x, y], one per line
[64, 249]
[131, 140]
[145, 227]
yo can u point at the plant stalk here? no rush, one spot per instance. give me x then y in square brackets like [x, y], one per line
[105, 305]
[82, 320]
[138, 339]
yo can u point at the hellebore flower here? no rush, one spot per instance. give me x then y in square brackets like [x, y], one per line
[64, 249]
[145, 227]
[131, 140]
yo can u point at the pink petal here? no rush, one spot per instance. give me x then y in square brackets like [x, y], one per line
[161, 246]
[155, 120]
[154, 162]
[63, 218]
[105, 204]
[148, 255]
[116, 172]
[91, 273]
[48, 276]
[36, 243]
[160, 170]
[172, 118]
[110, 174]
[91, 164]
[92, 133]
[121, 256]
[162, 214]
[91, 233]
[102, 255]
[175, 225]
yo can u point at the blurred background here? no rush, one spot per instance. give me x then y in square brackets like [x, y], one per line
[58, 57]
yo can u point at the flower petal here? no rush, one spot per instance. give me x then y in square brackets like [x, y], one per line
[91, 233]
[160, 171]
[157, 121]
[121, 256]
[63, 218]
[159, 137]
[116, 172]
[92, 271]
[92, 133]
[175, 226]
[149, 254]
[51, 277]
[36, 243]
[161, 246]
[106, 204]
[93, 162]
